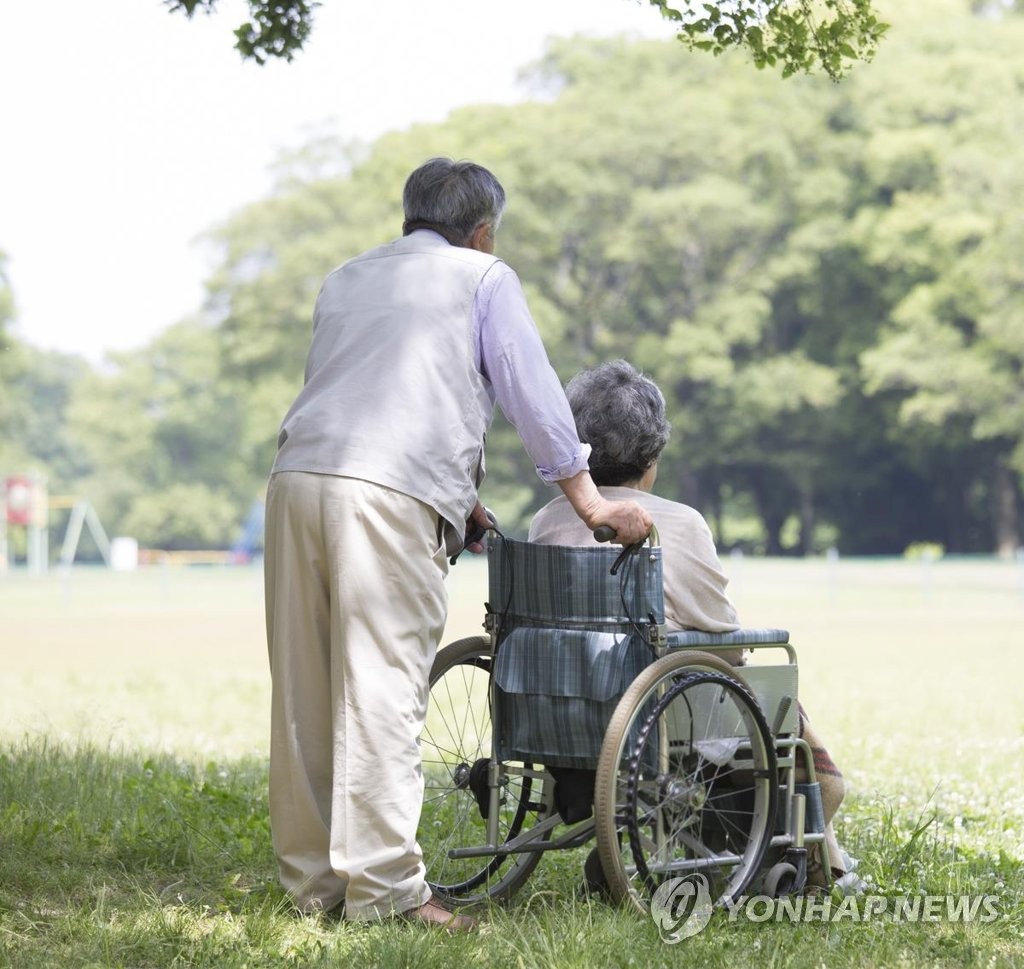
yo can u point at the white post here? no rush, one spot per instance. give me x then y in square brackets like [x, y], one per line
[832, 556]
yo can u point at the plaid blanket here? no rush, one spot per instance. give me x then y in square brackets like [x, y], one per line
[570, 640]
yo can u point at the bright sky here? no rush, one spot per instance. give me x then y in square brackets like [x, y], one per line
[127, 132]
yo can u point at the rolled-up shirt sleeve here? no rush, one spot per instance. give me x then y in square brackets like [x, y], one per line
[513, 360]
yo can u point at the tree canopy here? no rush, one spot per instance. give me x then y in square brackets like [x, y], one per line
[824, 279]
[795, 35]
[277, 28]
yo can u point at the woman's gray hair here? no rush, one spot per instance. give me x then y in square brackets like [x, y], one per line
[620, 413]
[452, 198]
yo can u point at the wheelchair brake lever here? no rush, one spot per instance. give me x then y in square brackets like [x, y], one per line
[626, 552]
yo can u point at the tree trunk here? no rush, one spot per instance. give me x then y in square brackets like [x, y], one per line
[772, 516]
[954, 501]
[716, 515]
[689, 488]
[773, 534]
[1004, 511]
[806, 518]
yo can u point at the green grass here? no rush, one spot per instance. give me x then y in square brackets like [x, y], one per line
[133, 822]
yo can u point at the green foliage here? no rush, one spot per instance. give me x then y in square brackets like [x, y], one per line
[277, 29]
[183, 516]
[795, 35]
[9, 361]
[40, 388]
[154, 428]
[824, 279]
[35, 392]
[6, 297]
[798, 35]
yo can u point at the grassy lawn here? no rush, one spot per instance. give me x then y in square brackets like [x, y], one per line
[133, 737]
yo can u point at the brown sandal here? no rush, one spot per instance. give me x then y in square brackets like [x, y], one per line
[435, 915]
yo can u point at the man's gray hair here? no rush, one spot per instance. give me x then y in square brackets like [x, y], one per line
[620, 413]
[452, 198]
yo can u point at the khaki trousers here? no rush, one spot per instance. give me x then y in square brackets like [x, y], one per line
[356, 605]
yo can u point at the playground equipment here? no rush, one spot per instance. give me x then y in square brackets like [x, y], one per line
[25, 503]
[82, 513]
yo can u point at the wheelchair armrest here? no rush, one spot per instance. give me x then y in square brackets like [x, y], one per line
[738, 637]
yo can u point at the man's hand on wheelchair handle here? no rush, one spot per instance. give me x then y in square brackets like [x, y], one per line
[628, 522]
[480, 519]
[627, 519]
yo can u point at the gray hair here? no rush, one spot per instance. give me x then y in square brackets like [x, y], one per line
[620, 413]
[452, 198]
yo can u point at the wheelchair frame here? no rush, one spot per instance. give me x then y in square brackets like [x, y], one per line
[650, 805]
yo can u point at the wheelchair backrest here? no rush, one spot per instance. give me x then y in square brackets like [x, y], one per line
[569, 585]
[569, 639]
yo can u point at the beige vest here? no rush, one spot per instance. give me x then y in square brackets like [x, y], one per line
[392, 392]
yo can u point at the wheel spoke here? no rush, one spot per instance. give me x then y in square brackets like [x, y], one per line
[682, 803]
[457, 737]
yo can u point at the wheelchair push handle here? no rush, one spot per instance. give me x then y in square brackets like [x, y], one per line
[605, 533]
[475, 533]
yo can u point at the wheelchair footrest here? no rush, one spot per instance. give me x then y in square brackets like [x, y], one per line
[814, 816]
[814, 820]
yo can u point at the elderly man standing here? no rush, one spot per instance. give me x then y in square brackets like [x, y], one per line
[373, 488]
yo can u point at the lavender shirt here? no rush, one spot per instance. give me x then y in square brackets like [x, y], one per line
[513, 361]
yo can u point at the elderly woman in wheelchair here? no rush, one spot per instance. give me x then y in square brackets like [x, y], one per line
[610, 700]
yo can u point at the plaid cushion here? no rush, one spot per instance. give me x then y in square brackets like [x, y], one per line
[569, 642]
[738, 637]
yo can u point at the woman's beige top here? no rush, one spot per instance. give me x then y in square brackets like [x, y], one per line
[695, 584]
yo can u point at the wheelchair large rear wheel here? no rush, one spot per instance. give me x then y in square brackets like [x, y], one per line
[455, 747]
[686, 784]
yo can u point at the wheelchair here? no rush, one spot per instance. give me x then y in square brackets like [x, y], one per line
[692, 762]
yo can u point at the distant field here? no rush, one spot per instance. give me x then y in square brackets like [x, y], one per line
[913, 671]
[117, 856]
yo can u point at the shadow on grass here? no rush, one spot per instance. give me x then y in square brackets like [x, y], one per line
[120, 860]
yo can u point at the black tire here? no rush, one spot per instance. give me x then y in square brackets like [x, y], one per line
[457, 735]
[664, 808]
[780, 880]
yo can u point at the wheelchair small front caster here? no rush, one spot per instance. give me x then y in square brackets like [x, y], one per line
[785, 878]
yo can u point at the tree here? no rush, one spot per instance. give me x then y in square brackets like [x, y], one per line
[824, 279]
[795, 35]
[278, 28]
[940, 228]
[36, 388]
[753, 275]
[166, 435]
[6, 316]
[10, 364]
